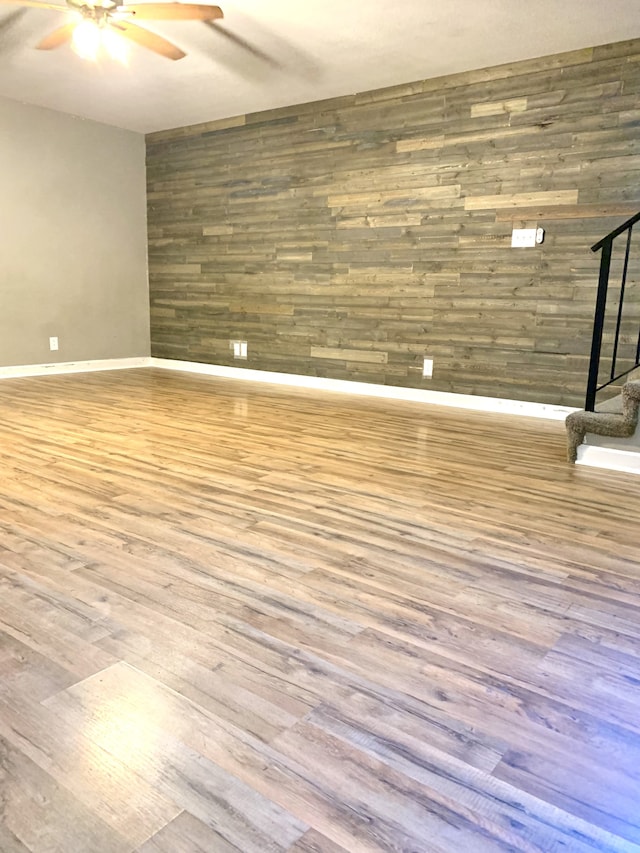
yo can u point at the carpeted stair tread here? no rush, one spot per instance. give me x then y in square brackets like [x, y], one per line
[620, 424]
[612, 406]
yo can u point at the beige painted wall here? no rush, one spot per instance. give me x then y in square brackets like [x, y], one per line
[72, 238]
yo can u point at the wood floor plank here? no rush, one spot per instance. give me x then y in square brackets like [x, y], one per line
[480, 810]
[261, 703]
[225, 752]
[313, 842]
[458, 785]
[236, 617]
[601, 795]
[8, 841]
[26, 672]
[156, 733]
[43, 815]
[42, 634]
[186, 834]
[96, 780]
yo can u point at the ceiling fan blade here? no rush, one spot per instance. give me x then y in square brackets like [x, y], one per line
[172, 11]
[145, 38]
[57, 37]
[9, 20]
[244, 44]
[36, 4]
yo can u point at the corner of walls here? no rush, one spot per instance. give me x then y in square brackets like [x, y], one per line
[74, 264]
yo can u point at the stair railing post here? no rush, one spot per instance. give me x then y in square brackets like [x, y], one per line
[623, 283]
[598, 325]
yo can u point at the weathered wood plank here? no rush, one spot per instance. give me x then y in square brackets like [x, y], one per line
[514, 105]
[578, 211]
[495, 202]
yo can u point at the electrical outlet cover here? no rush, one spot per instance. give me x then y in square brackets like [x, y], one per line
[523, 237]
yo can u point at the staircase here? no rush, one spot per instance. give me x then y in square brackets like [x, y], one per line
[615, 350]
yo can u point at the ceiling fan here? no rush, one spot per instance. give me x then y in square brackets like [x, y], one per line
[100, 23]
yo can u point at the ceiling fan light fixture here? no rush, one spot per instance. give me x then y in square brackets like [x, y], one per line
[98, 17]
[114, 45]
[86, 40]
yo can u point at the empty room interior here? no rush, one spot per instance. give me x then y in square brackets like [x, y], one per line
[319, 445]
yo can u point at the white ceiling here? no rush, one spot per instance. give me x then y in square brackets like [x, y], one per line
[296, 51]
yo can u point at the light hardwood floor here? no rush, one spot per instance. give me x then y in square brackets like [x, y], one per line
[240, 618]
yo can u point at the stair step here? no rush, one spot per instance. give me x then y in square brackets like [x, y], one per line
[612, 406]
[617, 418]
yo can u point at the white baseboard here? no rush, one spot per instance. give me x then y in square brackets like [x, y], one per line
[15, 371]
[596, 456]
[390, 392]
[343, 386]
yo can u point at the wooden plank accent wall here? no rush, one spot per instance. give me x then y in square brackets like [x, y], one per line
[350, 238]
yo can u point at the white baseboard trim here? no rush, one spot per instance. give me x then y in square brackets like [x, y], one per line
[343, 386]
[16, 371]
[596, 456]
[390, 392]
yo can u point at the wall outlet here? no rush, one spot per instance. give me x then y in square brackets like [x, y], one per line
[239, 349]
[53, 344]
[427, 367]
[523, 237]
